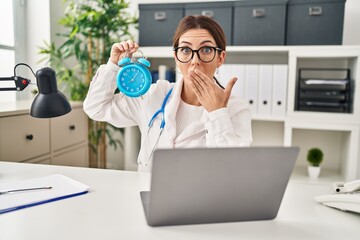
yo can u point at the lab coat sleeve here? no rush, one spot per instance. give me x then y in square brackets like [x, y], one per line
[101, 104]
[230, 126]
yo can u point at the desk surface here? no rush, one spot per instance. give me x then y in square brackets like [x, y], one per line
[113, 210]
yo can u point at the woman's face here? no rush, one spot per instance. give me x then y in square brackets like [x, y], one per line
[195, 39]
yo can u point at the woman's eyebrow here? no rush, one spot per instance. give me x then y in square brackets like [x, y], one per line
[203, 42]
[189, 43]
[206, 41]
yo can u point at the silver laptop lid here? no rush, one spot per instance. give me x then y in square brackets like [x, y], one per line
[211, 185]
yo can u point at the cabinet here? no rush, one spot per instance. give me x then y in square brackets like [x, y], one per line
[58, 141]
[336, 133]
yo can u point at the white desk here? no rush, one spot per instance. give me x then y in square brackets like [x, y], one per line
[113, 210]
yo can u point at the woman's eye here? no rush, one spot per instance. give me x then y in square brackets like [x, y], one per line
[206, 50]
[186, 50]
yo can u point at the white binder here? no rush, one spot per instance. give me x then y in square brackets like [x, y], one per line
[238, 70]
[251, 86]
[228, 71]
[280, 80]
[225, 74]
[265, 90]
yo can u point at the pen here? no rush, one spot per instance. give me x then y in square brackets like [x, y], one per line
[24, 190]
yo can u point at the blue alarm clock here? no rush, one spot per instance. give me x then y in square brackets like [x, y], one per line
[134, 78]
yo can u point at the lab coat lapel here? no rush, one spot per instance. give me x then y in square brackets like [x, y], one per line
[171, 110]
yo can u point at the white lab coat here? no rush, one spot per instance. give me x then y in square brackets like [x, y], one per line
[226, 127]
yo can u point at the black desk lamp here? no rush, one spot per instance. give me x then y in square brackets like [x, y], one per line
[49, 102]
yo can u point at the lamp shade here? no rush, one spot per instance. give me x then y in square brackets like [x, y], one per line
[49, 102]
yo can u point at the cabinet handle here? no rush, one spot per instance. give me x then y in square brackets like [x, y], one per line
[264, 102]
[208, 13]
[29, 137]
[251, 101]
[315, 11]
[279, 103]
[160, 16]
[72, 127]
[258, 12]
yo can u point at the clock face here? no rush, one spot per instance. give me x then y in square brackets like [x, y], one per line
[134, 80]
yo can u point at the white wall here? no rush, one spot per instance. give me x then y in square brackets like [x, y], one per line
[351, 35]
[37, 27]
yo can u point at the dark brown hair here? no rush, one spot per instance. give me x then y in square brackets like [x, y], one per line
[200, 22]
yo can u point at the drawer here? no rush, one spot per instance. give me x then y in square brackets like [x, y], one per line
[157, 23]
[23, 137]
[68, 129]
[315, 22]
[41, 160]
[76, 157]
[259, 22]
[221, 12]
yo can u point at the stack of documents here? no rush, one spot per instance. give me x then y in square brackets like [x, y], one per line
[32, 192]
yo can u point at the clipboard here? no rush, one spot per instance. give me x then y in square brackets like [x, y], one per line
[62, 187]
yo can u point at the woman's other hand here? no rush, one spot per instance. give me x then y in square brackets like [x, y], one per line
[119, 50]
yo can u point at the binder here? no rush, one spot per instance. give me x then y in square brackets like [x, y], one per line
[228, 71]
[62, 187]
[251, 86]
[239, 87]
[265, 90]
[279, 96]
[225, 74]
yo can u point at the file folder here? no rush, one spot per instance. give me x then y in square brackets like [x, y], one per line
[251, 86]
[265, 90]
[279, 96]
[62, 187]
[228, 71]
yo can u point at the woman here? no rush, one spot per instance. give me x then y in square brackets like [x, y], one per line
[198, 111]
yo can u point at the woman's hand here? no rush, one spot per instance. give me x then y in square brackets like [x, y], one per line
[118, 50]
[208, 92]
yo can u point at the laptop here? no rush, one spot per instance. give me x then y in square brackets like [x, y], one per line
[215, 185]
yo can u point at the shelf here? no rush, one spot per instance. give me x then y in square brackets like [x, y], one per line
[311, 51]
[337, 133]
[327, 176]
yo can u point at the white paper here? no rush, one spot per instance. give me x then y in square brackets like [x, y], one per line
[62, 186]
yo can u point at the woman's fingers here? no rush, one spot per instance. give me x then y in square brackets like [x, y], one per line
[122, 49]
[230, 86]
[196, 80]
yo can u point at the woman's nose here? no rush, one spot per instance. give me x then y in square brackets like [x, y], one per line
[195, 59]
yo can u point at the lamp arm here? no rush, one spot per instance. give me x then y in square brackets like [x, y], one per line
[20, 83]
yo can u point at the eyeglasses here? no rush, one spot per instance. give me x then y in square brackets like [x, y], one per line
[205, 54]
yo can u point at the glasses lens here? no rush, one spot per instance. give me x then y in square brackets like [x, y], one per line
[206, 54]
[184, 54]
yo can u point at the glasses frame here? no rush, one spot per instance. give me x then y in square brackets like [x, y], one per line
[197, 53]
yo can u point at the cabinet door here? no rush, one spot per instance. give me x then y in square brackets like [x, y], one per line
[77, 157]
[41, 160]
[69, 129]
[23, 137]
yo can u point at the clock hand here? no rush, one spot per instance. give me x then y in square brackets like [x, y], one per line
[133, 79]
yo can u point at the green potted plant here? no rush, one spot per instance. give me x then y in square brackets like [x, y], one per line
[91, 28]
[314, 157]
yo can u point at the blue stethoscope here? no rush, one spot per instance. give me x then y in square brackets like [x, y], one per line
[162, 125]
